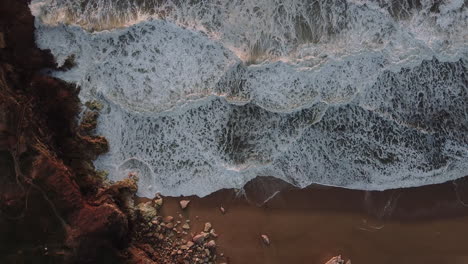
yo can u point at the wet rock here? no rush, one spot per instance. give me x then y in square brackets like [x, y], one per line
[184, 203]
[266, 239]
[158, 202]
[94, 105]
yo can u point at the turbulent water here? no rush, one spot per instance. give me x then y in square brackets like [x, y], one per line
[201, 95]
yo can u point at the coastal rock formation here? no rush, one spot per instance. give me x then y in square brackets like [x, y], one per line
[53, 203]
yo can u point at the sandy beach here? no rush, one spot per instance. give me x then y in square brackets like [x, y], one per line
[414, 225]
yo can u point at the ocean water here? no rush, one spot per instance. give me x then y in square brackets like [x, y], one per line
[202, 95]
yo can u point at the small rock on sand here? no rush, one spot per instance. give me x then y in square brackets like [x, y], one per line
[200, 237]
[184, 203]
[186, 226]
[337, 260]
[207, 227]
[213, 233]
[211, 244]
[222, 210]
[266, 239]
[168, 219]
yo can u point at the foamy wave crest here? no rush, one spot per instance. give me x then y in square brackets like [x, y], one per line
[204, 95]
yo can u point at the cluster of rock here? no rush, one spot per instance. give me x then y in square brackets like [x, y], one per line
[338, 260]
[170, 239]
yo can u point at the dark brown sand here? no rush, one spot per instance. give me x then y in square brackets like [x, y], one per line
[416, 225]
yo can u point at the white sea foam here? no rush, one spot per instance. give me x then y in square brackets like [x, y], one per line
[204, 95]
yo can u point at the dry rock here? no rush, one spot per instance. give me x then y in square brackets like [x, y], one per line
[184, 203]
[266, 239]
[168, 219]
[211, 244]
[337, 260]
[207, 227]
[213, 233]
[147, 210]
[200, 237]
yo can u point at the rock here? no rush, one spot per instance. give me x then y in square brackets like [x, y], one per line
[266, 239]
[207, 227]
[190, 244]
[95, 106]
[147, 210]
[184, 247]
[168, 219]
[158, 202]
[211, 244]
[186, 226]
[184, 203]
[213, 233]
[222, 210]
[336, 260]
[169, 225]
[139, 256]
[200, 237]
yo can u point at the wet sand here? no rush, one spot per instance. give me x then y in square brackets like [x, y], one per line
[415, 225]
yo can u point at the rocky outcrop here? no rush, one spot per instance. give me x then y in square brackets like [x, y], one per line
[51, 198]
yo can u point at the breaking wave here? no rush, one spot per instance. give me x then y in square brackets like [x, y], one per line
[201, 95]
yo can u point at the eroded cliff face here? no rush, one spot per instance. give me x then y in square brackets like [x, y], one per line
[54, 207]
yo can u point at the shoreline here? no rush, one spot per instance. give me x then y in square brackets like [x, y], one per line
[313, 224]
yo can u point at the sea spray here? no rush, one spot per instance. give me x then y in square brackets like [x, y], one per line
[204, 95]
